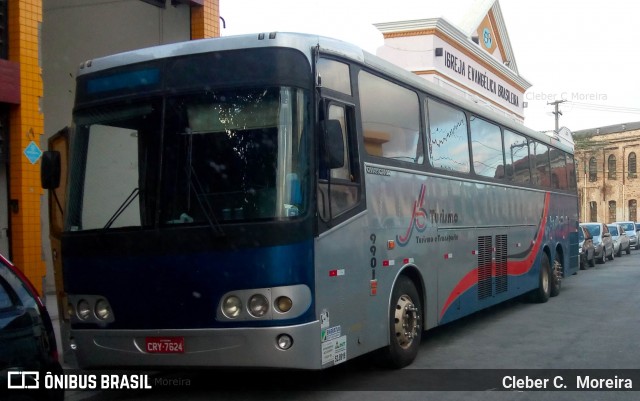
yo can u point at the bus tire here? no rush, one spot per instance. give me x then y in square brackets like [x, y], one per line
[541, 294]
[556, 278]
[405, 325]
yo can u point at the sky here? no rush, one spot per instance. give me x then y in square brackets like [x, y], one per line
[584, 52]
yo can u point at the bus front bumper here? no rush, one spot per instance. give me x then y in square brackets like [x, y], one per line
[237, 347]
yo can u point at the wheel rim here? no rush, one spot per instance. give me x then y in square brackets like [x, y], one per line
[406, 321]
[545, 280]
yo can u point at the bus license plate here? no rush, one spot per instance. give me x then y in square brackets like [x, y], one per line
[165, 345]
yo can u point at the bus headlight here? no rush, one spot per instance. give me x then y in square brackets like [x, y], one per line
[258, 305]
[83, 309]
[231, 306]
[103, 310]
[71, 310]
[283, 304]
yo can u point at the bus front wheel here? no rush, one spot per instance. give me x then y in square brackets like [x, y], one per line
[405, 325]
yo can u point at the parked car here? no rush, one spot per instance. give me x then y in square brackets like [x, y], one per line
[601, 241]
[620, 239]
[630, 228]
[637, 227]
[27, 339]
[587, 250]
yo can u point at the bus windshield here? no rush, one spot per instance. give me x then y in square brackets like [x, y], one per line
[203, 158]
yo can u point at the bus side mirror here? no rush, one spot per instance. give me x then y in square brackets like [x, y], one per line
[333, 144]
[50, 169]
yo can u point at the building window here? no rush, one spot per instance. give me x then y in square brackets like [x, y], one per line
[632, 165]
[593, 211]
[593, 169]
[612, 211]
[612, 167]
[633, 210]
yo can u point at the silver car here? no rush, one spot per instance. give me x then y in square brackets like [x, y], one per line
[602, 241]
[630, 228]
[620, 239]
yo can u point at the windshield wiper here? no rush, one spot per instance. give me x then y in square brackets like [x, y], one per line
[205, 206]
[122, 208]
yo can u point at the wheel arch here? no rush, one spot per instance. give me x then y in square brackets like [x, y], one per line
[413, 273]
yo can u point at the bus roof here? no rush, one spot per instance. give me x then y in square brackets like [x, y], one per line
[304, 42]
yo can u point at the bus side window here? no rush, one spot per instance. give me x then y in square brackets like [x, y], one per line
[390, 119]
[516, 151]
[559, 173]
[541, 169]
[486, 148]
[571, 172]
[448, 146]
[345, 186]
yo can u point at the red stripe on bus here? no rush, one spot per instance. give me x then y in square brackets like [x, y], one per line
[515, 268]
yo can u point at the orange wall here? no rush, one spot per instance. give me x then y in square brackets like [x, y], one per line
[205, 20]
[26, 124]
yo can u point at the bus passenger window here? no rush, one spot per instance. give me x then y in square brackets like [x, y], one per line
[486, 147]
[541, 171]
[571, 172]
[516, 149]
[448, 143]
[390, 119]
[559, 173]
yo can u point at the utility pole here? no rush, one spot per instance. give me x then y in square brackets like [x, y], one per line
[557, 112]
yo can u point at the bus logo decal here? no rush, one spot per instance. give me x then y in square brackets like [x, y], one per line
[418, 219]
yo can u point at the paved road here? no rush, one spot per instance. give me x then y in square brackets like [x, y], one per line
[593, 324]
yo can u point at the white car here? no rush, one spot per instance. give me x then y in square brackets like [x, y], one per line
[630, 229]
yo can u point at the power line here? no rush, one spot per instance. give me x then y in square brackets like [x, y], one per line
[604, 108]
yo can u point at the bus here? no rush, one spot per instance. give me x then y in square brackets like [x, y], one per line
[288, 200]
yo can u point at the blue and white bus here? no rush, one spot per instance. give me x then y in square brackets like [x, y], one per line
[288, 200]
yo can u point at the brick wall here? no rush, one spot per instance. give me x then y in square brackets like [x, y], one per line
[614, 190]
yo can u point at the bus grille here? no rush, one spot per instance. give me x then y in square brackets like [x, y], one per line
[487, 273]
[484, 267]
[501, 264]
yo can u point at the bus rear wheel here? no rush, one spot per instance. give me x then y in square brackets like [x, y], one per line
[543, 292]
[405, 325]
[556, 277]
